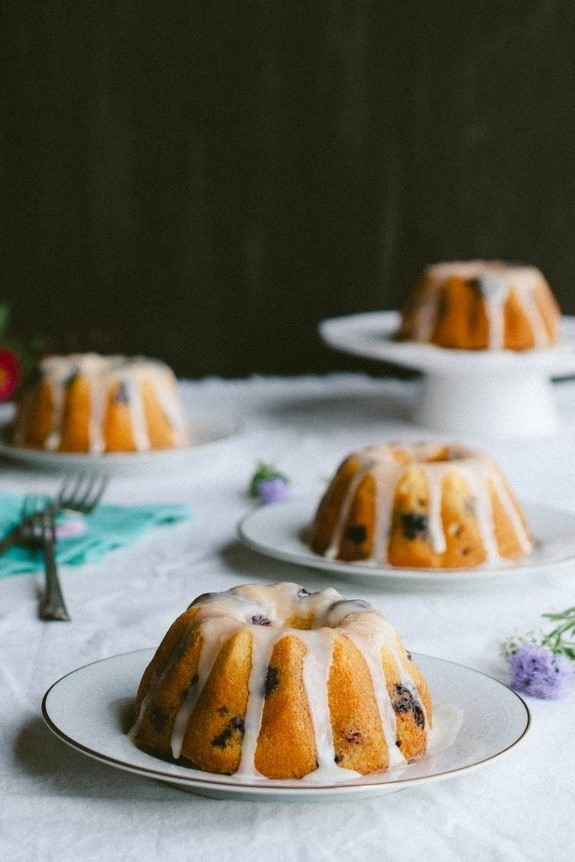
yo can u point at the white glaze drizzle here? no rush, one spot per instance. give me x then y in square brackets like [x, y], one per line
[496, 281]
[222, 614]
[136, 402]
[264, 640]
[478, 470]
[495, 287]
[104, 374]
[316, 667]
[332, 550]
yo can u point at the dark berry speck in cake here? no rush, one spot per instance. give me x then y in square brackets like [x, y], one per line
[356, 533]
[414, 525]
[404, 701]
[158, 718]
[122, 395]
[272, 680]
[260, 620]
[234, 726]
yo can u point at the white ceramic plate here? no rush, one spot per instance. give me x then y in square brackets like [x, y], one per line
[206, 430]
[370, 335]
[477, 718]
[278, 531]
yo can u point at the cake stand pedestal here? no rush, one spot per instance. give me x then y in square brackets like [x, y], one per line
[497, 393]
[505, 406]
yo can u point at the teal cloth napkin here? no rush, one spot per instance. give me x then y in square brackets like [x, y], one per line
[102, 531]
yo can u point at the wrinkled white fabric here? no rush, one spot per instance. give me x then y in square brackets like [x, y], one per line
[59, 805]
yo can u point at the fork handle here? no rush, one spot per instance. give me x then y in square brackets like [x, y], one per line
[52, 606]
[10, 539]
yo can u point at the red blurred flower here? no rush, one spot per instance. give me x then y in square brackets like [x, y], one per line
[10, 373]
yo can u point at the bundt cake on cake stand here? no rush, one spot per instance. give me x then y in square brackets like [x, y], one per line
[487, 337]
[496, 393]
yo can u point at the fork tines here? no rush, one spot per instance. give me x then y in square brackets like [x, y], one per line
[81, 492]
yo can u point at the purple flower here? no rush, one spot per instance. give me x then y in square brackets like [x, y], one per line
[269, 485]
[273, 490]
[538, 671]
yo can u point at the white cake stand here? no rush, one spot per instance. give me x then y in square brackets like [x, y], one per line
[499, 393]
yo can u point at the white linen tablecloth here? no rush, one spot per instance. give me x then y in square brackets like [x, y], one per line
[58, 804]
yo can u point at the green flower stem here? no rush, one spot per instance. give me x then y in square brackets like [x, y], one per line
[555, 639]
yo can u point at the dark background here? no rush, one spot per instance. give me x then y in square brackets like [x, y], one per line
[203, 181]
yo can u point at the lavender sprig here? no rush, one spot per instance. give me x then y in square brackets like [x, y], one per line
[544, 666]
[269, 485]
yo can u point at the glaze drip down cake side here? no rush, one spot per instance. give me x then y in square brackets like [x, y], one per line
[278, 682]
[481, 305]
[91, 403]
[427, 505]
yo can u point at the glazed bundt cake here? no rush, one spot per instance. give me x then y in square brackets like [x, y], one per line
[279, 682]
[427, 505]
[91, 403]
[479, 305]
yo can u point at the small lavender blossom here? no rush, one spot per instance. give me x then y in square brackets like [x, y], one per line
[273, 490]
[538, 671]
[268, 484]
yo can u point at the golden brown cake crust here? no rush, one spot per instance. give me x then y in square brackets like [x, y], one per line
[332, 690]
[479, 305]
[92, 404]
[427, 505]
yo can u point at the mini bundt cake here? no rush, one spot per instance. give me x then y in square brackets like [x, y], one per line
[427, 505]
[90, 403]
[479, 305]
[279, 682]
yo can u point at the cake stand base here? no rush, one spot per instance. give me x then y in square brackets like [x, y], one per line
[500, 406]
[499, 393]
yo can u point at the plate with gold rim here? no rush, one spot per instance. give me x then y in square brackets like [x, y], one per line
[476, 719]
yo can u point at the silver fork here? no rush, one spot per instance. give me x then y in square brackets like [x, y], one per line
[38, 530]
[78, 493]
[81, 493]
